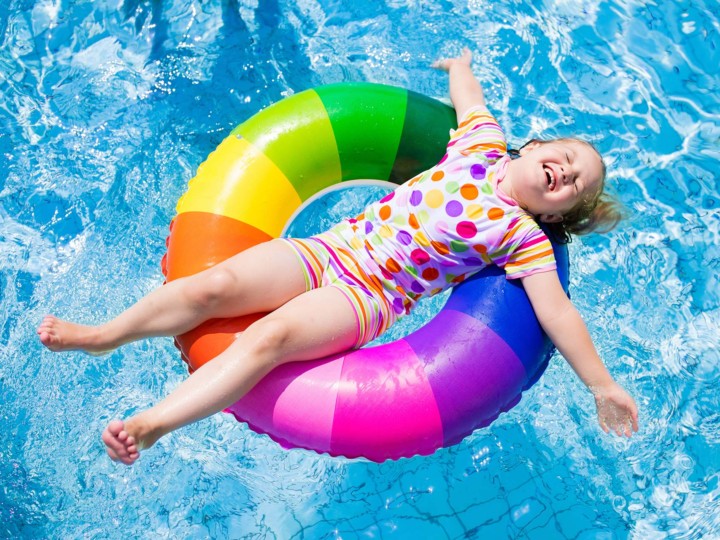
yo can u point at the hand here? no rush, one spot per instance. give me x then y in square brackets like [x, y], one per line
[465, 59]
[616, 409]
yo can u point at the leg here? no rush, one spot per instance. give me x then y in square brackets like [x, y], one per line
[257, 280]
[315, 324]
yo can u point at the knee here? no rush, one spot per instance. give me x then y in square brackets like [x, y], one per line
[208, 289]
[269, 340]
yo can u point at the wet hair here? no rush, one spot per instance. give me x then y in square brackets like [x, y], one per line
[598, 212]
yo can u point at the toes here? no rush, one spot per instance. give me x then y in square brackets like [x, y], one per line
[46, 338]
[115, 427]
[120, 445]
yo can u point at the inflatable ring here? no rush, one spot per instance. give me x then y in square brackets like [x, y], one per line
[427, 390]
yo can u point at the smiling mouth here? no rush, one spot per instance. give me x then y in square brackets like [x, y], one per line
[550, 178]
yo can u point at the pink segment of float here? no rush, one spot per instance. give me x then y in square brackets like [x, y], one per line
[387, 401]
[367, 403]
[298, 401]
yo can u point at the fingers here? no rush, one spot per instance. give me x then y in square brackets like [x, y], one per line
[634, 416]
[620, 424]
[621, 427]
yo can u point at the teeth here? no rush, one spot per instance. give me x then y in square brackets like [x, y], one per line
[550, 177]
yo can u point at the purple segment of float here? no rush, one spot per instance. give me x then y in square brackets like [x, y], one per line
[385, 407]
[473, 373]
[296, 404]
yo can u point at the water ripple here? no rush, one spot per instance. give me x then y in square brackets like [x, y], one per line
[107, 108]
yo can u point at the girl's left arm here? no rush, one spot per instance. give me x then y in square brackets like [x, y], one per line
[465, 89]
[562, 323]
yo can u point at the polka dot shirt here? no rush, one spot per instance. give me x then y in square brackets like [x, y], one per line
[449, 222]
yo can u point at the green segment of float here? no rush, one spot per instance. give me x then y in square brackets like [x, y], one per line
[424, 136]
[367, 120]
[296, 135]
[350, 131]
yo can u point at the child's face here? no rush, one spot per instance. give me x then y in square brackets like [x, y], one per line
[550, 179]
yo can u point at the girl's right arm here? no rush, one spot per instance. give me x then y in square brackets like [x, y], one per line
[616, 409]
[465, 90]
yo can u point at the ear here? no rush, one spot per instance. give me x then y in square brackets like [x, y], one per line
[550, 218]
[530, 145]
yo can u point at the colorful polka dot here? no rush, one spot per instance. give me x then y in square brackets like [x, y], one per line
[392, 265]
[441, 248]
[387, 197]
[368, 227]
[411, 270]
[458, 246]
[473, 212]
[495, 213]
[386, 231]
[416, 197]
[419, 256]
[469, 192]
[437, 176]
[452, 187]
[384, 212]
[442, 227]
[466, 229]
[477, 171]
[417, 287]
[404, 238]
[453, 208]
[430, 274]
[421, 239]
[434, 198]
[413, 222]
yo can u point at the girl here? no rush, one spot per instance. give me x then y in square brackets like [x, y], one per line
[343, 288]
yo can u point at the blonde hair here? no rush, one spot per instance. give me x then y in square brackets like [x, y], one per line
[598, 212]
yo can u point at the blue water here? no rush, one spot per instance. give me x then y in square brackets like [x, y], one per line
[108, 107]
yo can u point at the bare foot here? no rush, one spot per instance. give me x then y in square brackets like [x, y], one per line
[58, 335]
[124, 440]
[121, 446]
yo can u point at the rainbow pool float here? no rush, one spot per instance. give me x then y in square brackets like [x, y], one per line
[412, 396]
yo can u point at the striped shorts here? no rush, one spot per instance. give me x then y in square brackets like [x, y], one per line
[328, 262]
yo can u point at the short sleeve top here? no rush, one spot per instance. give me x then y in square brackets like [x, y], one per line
[450, 221]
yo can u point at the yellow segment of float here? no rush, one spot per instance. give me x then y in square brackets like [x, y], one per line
[239, 182]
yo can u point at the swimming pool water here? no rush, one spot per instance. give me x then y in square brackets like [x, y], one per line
[108, 107]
